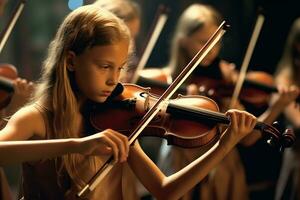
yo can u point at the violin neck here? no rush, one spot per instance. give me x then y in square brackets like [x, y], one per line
[211, 118]
[6, 84]
[263, 87]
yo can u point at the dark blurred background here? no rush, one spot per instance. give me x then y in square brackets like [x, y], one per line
[26, 47]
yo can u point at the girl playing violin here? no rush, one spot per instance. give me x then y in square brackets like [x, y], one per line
[21, 94]
[84, 63]
[195, 25]
[288, 74]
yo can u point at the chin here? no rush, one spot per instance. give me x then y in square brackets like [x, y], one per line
[99, 99]
[102, 99]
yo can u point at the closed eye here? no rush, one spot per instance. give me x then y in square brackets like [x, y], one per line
[104, 66]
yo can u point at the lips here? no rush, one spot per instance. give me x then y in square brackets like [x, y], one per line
[106, 93]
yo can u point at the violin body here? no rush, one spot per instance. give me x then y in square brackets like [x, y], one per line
[177, 126]
[157, 79]
[256, 89]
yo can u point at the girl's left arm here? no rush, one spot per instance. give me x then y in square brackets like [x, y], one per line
[176, 185]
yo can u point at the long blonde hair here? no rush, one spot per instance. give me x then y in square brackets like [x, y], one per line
[191, 20]
[287, 63]
[83, 28]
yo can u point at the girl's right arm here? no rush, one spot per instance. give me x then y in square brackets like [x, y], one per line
[28, 123]
[98, 144]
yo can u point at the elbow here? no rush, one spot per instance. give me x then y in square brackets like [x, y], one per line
[166, 193]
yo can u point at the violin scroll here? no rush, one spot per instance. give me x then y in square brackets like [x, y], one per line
[286, 136]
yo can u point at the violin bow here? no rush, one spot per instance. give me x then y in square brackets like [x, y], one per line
[105, 169]
[159, 23]
[237, 89]
[11, 23]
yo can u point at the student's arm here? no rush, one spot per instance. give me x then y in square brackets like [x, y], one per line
[28, 123]
[281, 102]
[19, 151]
[176, 185]
[291, 112]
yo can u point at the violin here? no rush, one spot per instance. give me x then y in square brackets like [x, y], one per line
[7, 71]
[256, 90]
[7, 74]
[187, 121]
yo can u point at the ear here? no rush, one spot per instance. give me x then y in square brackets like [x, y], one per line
[71, 61]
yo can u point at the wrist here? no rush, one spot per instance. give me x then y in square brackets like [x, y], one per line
[73, 145]
[276, 108]
[227, 142]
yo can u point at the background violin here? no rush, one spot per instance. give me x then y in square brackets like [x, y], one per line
[7, 71]
[7, 74]
[256, 89]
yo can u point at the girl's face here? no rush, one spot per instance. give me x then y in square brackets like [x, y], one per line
[97, 69]
[197, 40]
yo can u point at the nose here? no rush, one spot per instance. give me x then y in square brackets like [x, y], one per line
[113, 78]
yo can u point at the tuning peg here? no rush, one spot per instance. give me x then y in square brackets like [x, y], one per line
[271, 141]
[288, 138]
[278, 126]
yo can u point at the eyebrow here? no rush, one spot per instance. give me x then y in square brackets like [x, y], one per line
[111, 63]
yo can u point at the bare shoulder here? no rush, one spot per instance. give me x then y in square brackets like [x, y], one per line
[26, 123]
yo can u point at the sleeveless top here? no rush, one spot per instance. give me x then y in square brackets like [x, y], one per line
[41, 179]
